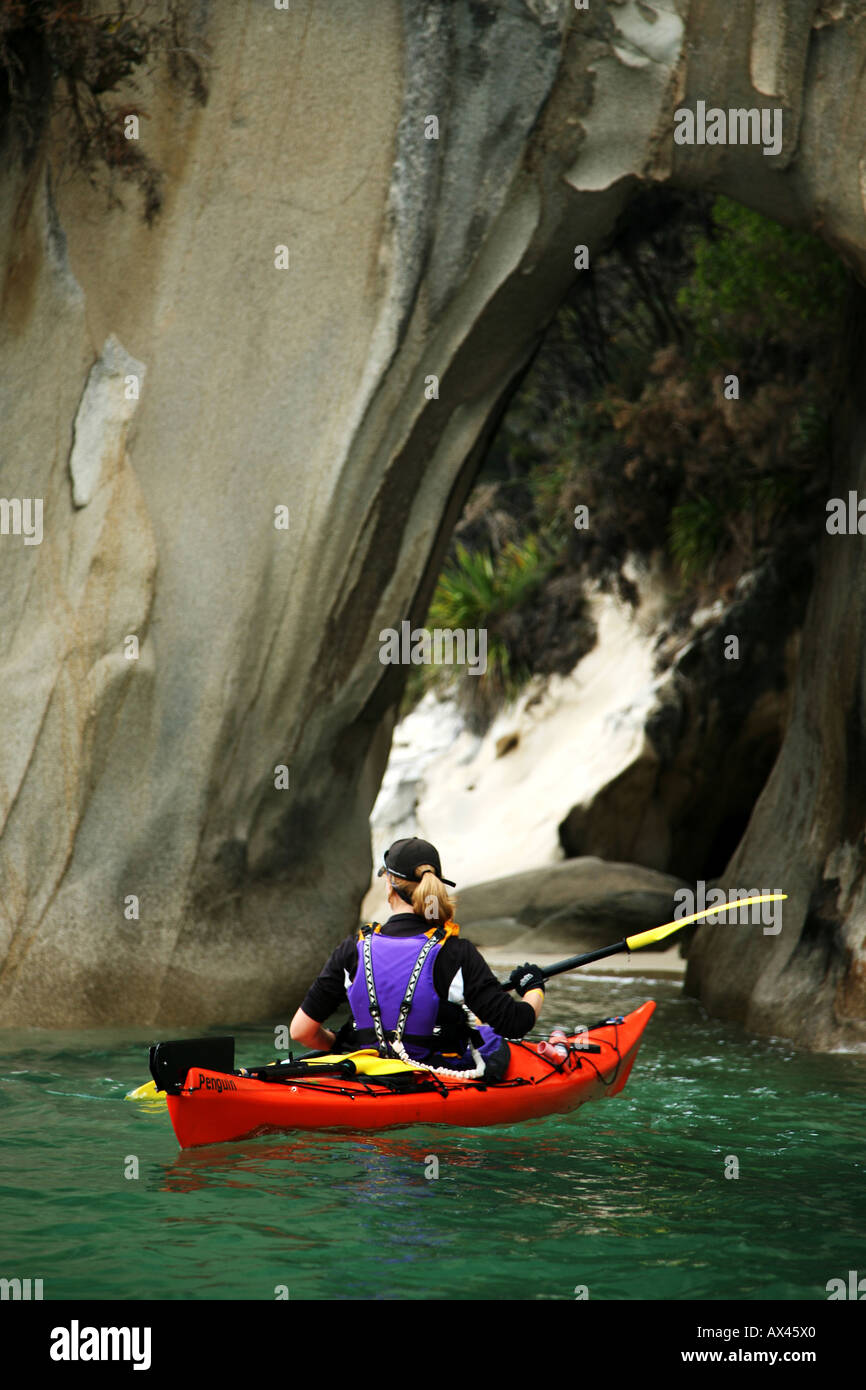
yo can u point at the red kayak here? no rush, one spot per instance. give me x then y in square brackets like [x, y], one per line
[209, 1106]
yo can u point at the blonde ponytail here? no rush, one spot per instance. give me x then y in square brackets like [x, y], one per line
[430, 897]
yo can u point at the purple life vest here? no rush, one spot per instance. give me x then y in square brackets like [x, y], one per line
[393, 961]
[394, 975]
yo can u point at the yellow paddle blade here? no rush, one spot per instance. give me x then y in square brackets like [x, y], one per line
[152, 1098]
[145, 1092]
[367, 1062]
[646, 938]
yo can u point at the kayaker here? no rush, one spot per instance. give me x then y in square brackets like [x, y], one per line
[411, 981]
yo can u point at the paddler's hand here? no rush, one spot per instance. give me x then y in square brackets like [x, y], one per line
[526, 977]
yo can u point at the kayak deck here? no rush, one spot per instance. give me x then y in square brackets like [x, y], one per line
[213, 1107]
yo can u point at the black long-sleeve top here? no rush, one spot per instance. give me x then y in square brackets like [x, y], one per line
[477, 984]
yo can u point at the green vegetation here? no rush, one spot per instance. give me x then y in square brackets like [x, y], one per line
[755, 279]
[694, 533]
[625, 411]
[480, 590]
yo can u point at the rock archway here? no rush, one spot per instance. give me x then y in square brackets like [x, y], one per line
[148, 785]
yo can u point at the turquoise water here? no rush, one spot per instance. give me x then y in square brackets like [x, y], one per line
[627, 1196]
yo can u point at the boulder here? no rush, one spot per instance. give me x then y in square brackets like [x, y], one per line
[567, 906]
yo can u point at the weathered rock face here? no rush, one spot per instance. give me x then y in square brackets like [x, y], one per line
[710, 734]
[259, 388]
[808, 829]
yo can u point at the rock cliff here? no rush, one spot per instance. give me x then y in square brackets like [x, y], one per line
[152, 778]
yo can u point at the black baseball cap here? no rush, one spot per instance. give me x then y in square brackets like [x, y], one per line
[404, 856]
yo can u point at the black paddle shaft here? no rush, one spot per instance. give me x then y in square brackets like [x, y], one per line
[574, 961]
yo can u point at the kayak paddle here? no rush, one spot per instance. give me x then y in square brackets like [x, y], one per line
[647, 938]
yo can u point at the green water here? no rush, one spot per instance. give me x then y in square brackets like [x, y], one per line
[627, 1196]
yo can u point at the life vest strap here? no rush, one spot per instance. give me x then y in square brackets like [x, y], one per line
[434, 938]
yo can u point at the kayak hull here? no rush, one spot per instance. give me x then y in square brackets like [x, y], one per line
[215, 1107]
